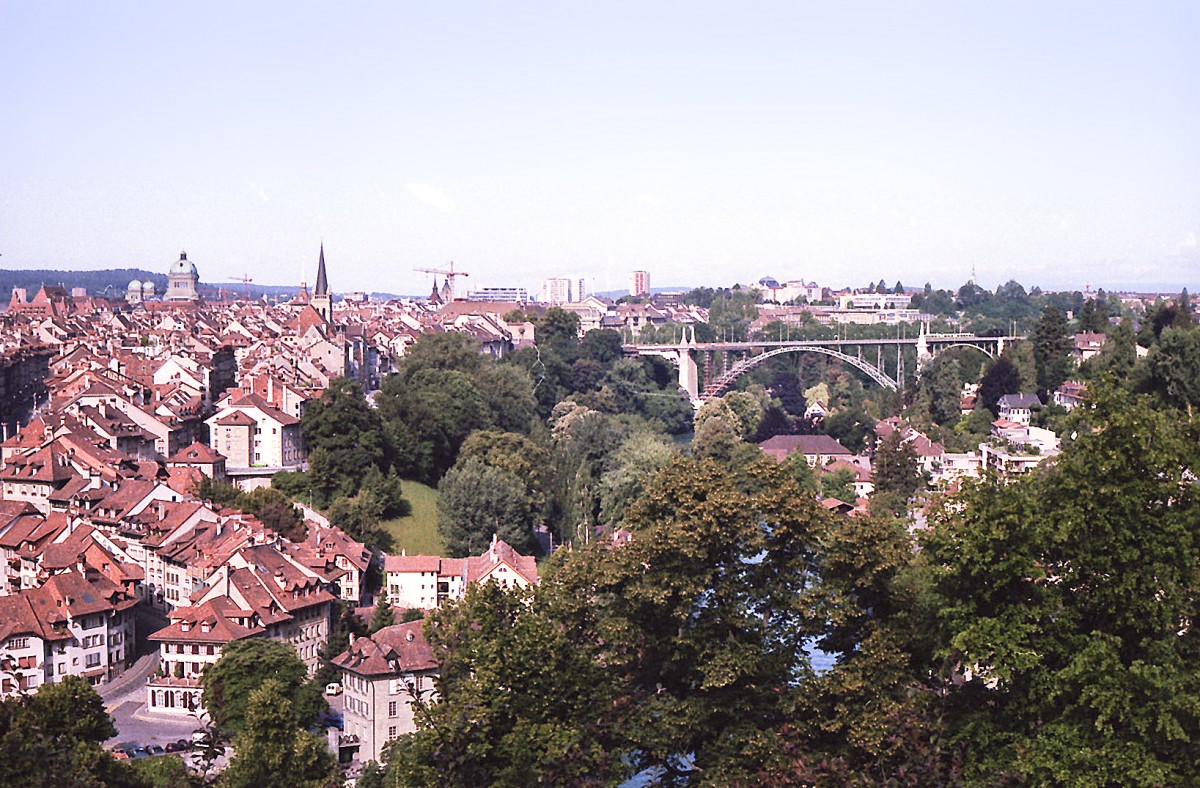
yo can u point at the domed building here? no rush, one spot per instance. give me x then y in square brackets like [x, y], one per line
[182, 280]
[133, 293]
[148, 290]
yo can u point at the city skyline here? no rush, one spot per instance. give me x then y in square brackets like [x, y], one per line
[707, 145]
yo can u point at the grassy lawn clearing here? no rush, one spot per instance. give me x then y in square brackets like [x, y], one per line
[417, 534]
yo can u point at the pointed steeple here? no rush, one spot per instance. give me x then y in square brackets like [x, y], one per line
[321, 300]
[322, 286]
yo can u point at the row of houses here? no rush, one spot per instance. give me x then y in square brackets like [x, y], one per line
[1014, 446]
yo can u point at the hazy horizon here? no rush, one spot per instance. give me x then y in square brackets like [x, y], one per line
[706, 143]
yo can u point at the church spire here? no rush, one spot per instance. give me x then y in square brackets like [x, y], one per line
[321, 299]
[322, 286]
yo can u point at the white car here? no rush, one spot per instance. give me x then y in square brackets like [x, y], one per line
[333, 688]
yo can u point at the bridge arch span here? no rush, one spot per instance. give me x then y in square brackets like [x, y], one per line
[983, 350]
[718, 387]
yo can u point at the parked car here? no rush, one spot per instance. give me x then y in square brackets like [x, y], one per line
[333, 688]
[120, 753]
[138, 752]
[155, 749]
[178, 746]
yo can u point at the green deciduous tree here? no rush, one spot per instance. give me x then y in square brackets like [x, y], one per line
[558, 331]
[341, 422]
[448, 351]
[632, 467]
[53, 738]
[838, 484]
[1051, 349]
[1067, 601]
[943, 381]
[601, 345]
[164, 773]
[438, 408]
[517, 699]
[895, 467]
[272, 749]
[1174, 367]
[1118, 358]
[243, 668]
[477, 501]
[674, 651]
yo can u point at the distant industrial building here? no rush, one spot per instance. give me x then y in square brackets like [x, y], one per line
[517, 294]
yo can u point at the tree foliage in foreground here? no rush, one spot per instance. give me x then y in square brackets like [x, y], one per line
[1067, 606]
[273, 750]
[244, 666]
[675, 652]
[53, 738]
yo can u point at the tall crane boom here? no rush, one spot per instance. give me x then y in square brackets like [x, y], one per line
[449, 273]
[245, 280]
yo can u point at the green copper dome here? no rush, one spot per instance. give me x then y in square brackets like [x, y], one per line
[182, 266]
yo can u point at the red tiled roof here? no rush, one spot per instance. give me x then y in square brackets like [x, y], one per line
[394, 649]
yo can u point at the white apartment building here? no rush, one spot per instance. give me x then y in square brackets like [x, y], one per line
[192, 641]
[556, 291]
[385, 679]
[639, 283]
[78, 623]
[425, 582]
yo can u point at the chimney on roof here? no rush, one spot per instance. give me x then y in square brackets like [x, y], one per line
[409, 636]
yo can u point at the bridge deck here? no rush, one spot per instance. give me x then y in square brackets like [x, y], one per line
[932, 339]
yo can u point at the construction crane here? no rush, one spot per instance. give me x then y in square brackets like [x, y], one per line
[245, 280]
[449, 273]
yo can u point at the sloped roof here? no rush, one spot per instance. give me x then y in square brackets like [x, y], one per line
[400, 648]
[220, 614]
[1019, 401]
[196, 452]
[781, 446]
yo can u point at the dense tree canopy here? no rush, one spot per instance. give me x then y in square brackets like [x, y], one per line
[53, 738]
[244, 666]
[673, 651]
[1067, 603]
[1051, 349]
[477, 501]
[272, 749]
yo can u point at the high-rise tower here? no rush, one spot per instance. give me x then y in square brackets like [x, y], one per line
[639, 283]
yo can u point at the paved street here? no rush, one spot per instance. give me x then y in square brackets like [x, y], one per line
[125, 700]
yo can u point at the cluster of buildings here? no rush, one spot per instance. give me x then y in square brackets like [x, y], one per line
[1013, 447]
[114, 411]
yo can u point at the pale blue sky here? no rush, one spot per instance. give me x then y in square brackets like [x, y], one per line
[1050, 142]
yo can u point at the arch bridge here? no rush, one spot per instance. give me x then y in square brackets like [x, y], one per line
[686, 356]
